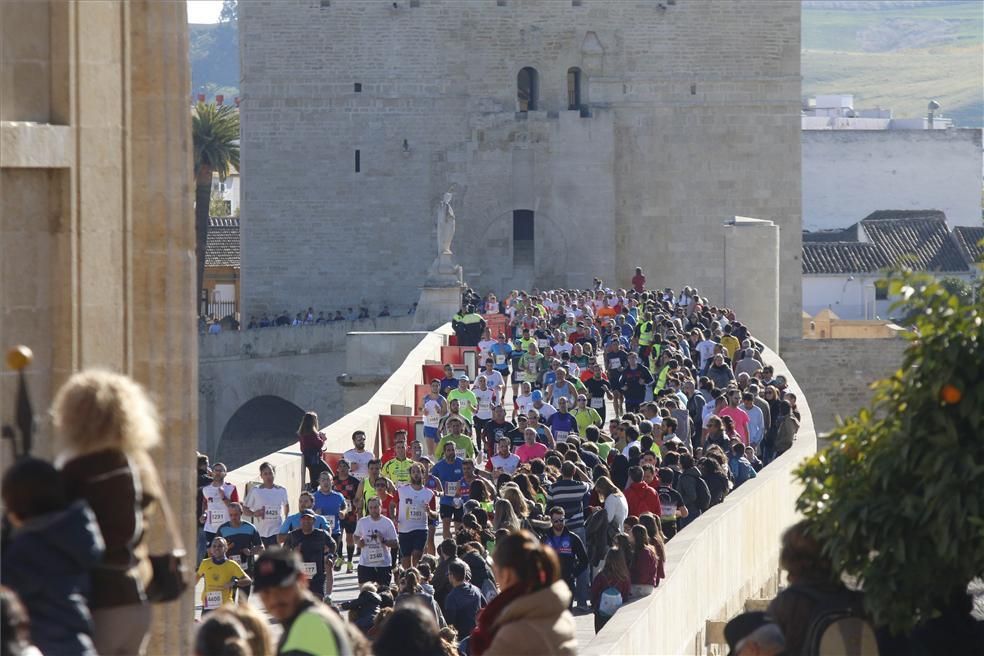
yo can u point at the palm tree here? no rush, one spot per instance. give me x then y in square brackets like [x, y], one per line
[215, 130]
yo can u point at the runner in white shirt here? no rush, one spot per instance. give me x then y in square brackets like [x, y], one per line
[217, 496]
[484, 345]
[268, 505]
[376, 535]
[358, 458]
[486, 399]
[523, 402]
[433, 408]
[504, 461]
[494, 378]
[416, 505]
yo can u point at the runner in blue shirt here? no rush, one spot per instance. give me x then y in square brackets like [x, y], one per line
[449, 471]
[330, 504]
[293, 522]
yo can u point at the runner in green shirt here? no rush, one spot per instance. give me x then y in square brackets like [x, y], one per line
[463, 446]
[467, 401]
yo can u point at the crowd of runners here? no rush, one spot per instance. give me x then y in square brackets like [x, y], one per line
[599, 424]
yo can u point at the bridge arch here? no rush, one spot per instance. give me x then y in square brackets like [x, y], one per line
[262, 425]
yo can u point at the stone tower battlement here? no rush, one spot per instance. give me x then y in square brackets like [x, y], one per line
[582, 137]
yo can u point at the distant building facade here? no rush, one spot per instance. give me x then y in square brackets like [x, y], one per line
[580, 138]
[841, 267]
[858, 161]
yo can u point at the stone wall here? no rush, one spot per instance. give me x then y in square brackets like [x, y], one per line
[691, 117]
[836, 374]
[290, 369]
[847, 174]
[97, 243]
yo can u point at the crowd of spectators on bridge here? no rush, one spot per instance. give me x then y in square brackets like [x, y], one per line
[601, 423]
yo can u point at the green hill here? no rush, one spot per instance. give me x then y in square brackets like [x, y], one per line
[214, 55]
[897, 55]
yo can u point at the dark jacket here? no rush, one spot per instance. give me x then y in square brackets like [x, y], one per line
[600, 534]
[694, 491]
[47, 563]
[122, 492]
[570, 551]
[462, 606]
[441, 582]
[717, 485]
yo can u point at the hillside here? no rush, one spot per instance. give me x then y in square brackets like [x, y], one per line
[897, 55]
[214, 55]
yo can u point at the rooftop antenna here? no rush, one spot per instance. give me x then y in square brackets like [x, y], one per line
[933, 106]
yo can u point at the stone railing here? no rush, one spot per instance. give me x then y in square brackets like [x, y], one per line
[292, 340]
[398, 390]
[728, 555]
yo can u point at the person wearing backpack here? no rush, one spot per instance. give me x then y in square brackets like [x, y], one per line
[693, 489]
[610, 589]
[816, 609]
[739, 466]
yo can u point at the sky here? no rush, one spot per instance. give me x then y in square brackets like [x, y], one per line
[204, 11]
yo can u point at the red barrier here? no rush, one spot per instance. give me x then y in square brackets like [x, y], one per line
[331, 459]
[432, 371]
[419, 392]
[456, 354]
[389, 424]
[453, 340]
[497, 323]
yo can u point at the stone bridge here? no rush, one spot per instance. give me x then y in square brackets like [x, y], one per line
[255, 385]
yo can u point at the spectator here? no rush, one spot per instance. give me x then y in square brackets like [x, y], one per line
[15, 628]
[644, 568]
[105, 425]
[464, 601]
[222, 635]
[568, 546]
[410, 631]
[615, 503]
[311, 442]
[530, 615]
[641, 497]
[614, 575]
[47, 561]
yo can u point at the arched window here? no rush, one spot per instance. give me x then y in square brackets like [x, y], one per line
[574, 88]
[527, 88]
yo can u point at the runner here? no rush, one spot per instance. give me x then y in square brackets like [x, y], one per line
[317, 550]
[376, 535]
[432, 408]
[217, 497]
[463, 446]
[267, 504]
[243, 541]
[448, 470]
[467, 401]
[293, 522]
[398, 469]
[221, 576]
[367, 488]
[357, 457]
[347, 486]
[487, 399]
[415, 505]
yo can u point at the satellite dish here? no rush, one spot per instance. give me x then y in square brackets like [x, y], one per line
[933, 105]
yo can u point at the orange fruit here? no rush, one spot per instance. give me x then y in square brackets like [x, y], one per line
[950, 394]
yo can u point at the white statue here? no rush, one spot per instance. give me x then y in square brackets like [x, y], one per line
[445, 225]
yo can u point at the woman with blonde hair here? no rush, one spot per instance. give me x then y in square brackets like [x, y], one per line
[105, 424]
[616, 505]
[505, 516]
[257, 627]
[527, 514]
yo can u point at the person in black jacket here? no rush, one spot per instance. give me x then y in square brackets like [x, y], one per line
[47, 561]
[717, 481]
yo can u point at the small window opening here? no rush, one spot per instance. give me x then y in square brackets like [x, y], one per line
[523, 245]
[526, 89]
[358, 161]
[574, 88]
[358, 87]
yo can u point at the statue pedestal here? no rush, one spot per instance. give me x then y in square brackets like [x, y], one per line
[440, 296]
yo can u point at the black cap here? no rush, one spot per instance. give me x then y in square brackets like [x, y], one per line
[742, 626]
[276, 568]
[307, 512]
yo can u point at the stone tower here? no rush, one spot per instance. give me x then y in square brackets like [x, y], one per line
[582, 137]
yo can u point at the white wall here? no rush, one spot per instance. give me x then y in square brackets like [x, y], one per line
[847, 298]
[847, 174]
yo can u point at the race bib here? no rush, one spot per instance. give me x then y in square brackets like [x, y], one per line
[213, 599]
[500, 359]
[542, 343]
[615, 363]
[597, 402]
[236, 559]
[562, 436]
[218, 517]
[330, 523]
[451, 489]
[459, 453]
[271, 513]
[311, 569]
[484, 404]
[375, 556]
[415, 513]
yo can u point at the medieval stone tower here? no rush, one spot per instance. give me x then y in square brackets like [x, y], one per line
[582, 138]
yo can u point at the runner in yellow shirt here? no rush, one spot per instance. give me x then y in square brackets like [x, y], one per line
[398, 469]
[221, 576]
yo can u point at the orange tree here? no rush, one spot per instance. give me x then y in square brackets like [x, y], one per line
[897, 500]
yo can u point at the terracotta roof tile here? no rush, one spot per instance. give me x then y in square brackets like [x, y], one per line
[222, 248]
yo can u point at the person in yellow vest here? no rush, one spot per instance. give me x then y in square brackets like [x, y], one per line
[645, 334]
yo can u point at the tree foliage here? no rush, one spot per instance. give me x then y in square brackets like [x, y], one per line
[230, 11]
[897, 500]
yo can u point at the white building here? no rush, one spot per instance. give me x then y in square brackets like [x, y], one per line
[228, 189]
[856, 162]
[840, 267]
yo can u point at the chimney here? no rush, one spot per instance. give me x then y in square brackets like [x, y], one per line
[201, 97]
[219, 99]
